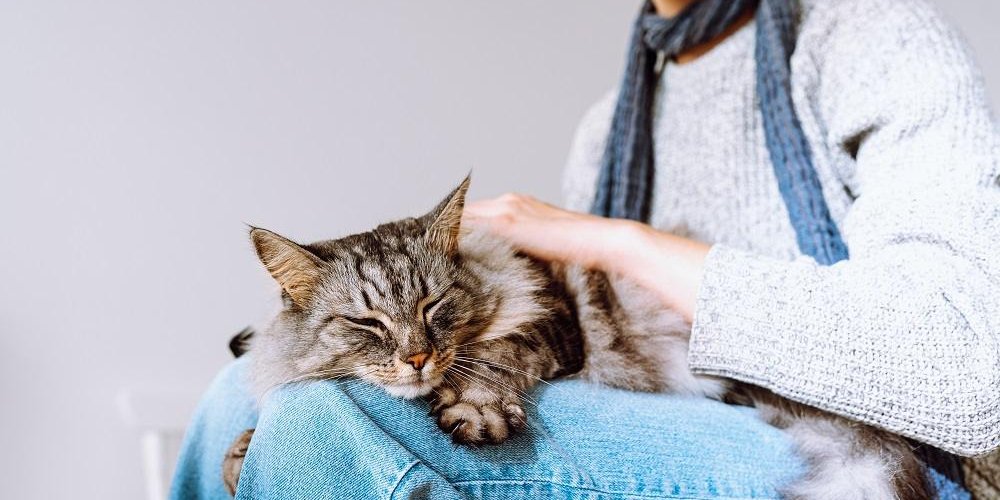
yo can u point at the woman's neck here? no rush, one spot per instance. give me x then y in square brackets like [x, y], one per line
[670, 8]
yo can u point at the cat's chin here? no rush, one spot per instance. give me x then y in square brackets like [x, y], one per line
[409, 391]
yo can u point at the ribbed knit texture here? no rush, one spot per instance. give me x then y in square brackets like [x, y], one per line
[906, 334]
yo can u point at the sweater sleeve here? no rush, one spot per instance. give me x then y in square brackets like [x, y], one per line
[905, 335]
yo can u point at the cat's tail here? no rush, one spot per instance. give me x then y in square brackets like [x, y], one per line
[240, 343]
[845, 459]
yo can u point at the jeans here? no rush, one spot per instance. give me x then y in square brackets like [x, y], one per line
[350, 440]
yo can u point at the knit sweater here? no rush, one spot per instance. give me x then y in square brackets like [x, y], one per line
[905, 335]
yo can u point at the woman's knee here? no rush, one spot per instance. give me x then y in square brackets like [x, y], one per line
[319, 405]
[301, 403]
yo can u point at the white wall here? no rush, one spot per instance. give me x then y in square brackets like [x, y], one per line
[977, 20]
[136, 138]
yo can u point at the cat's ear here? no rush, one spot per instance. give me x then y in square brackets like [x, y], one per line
[446, 219]
[296, 269]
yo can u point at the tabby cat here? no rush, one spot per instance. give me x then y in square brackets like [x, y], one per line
[414, 304]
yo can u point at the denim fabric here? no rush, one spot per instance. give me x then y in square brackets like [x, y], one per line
[346, 440]
[226, 410]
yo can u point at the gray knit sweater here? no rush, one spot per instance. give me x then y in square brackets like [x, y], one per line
[906, 334]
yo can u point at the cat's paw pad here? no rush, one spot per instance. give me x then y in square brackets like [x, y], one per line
[475, 425]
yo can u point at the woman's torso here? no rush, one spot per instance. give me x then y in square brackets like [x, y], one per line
[714, 179]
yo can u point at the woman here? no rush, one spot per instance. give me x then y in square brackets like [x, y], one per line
[788, 141]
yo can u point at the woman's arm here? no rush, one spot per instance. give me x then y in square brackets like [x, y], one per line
[668, 265]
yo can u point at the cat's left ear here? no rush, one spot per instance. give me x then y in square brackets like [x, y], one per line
[446, 219]
[296, 269]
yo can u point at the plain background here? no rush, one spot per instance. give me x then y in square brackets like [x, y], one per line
[137, 138]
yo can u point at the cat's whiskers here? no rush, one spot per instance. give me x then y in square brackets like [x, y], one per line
[355, 377]
[498, 349]
[465, 377]
[491, 383]
[451, 382]
[497, 384]
[327, 374]
[489, 363]
[474, 342]
[490, 386]
[304, 376]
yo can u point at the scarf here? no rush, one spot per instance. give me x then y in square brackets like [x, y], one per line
[625, 182]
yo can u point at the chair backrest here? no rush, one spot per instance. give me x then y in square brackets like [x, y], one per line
[159, 417]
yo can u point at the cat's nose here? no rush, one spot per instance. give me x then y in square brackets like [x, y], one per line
[417, 360]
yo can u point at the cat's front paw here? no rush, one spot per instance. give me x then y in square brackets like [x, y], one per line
[233, 461]
[476, 423]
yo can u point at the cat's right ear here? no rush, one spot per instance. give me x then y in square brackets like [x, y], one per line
[296, 269]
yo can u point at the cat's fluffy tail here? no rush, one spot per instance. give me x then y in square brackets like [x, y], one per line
[844, 459]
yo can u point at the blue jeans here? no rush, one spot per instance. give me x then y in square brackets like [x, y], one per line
[347, 440]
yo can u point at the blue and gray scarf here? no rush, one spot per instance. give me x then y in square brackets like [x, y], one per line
[625, 184]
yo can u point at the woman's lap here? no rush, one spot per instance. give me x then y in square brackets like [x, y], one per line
[351, 440]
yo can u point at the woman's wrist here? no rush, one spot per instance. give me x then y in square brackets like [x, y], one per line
[619, 253]
[668, 265]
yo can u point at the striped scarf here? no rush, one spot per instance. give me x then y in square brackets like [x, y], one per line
[625, 183]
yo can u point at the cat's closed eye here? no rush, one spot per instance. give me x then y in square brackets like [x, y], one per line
[367, 322]
[429, 308]
[427, 313]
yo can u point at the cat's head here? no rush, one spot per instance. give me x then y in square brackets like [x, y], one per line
[391, 305]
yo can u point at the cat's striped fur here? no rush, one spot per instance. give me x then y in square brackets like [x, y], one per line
[487, 323]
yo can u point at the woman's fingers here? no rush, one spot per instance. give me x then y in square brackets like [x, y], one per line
[507, 206]
[536, 227]
[502, 213]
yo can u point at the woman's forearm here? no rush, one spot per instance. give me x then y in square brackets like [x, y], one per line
[668, 265]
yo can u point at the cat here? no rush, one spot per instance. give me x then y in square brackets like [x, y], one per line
[421, 308]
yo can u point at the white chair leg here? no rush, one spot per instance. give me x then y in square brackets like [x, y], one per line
[153, 451]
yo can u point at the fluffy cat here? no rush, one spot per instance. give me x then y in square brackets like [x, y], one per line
[420, 311]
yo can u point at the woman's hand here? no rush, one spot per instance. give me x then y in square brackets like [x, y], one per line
[668, 265]
[546, 231]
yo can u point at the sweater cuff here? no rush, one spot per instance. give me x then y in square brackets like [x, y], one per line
[741, 303]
